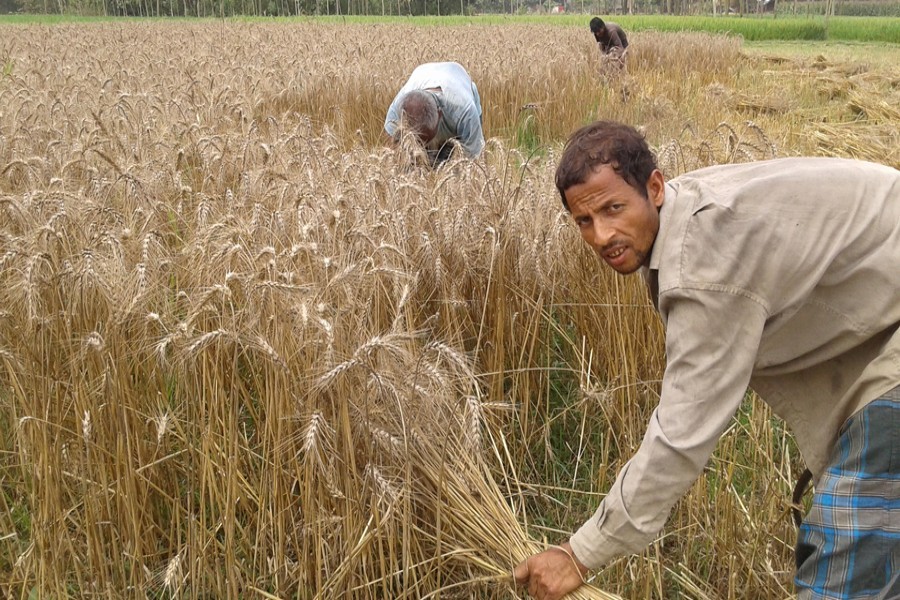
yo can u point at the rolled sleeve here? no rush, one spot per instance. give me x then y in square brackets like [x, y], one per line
[711, 341]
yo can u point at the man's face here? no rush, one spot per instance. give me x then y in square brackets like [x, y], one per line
[615, 219]
[599, 34]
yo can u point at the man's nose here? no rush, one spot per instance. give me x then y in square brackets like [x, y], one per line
[601, 235]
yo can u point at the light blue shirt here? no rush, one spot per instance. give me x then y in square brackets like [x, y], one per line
[458, 100]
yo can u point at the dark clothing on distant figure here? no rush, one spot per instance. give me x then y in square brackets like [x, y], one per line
[612, 37]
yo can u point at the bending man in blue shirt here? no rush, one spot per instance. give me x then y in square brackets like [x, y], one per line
[439, 103]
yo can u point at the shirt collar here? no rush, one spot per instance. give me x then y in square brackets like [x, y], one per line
[665, 215]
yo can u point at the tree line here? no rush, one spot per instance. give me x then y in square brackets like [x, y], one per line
[285, 8]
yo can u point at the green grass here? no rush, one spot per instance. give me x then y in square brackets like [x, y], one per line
[879, 55]
[527, 138]
[864, 29]
[757, 28]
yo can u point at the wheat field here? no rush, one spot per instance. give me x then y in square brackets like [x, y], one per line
[247, 352]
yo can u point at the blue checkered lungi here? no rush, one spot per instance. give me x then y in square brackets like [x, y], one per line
[849, 543]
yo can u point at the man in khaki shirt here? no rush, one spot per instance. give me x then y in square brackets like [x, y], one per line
[783, 276]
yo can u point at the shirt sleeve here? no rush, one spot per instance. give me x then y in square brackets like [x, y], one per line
[392, 120]
[712, 337]
[469, 131]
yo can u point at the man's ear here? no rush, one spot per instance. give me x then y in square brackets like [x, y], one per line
[656, 188]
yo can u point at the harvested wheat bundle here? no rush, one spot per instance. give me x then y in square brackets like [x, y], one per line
[873, 108]
[865, 141]
[422, 450]
[477, 526]
[756, 104]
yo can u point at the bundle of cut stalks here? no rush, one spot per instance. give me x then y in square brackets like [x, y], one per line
[865, 141]
[478, 528]
[475, 531]
[428, 485]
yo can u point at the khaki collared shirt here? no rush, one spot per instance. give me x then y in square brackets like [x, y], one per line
[782, 275]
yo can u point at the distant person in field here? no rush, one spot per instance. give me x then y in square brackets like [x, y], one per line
[783, 276]
[440, 105]
[611, 38]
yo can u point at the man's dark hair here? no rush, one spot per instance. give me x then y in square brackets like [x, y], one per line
[605, 143]
[597, 24]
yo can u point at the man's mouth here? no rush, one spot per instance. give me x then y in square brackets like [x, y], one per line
[615, 256]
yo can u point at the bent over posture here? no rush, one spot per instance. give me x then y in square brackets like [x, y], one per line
[439, 103]
[783, 275]
[610, 37]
